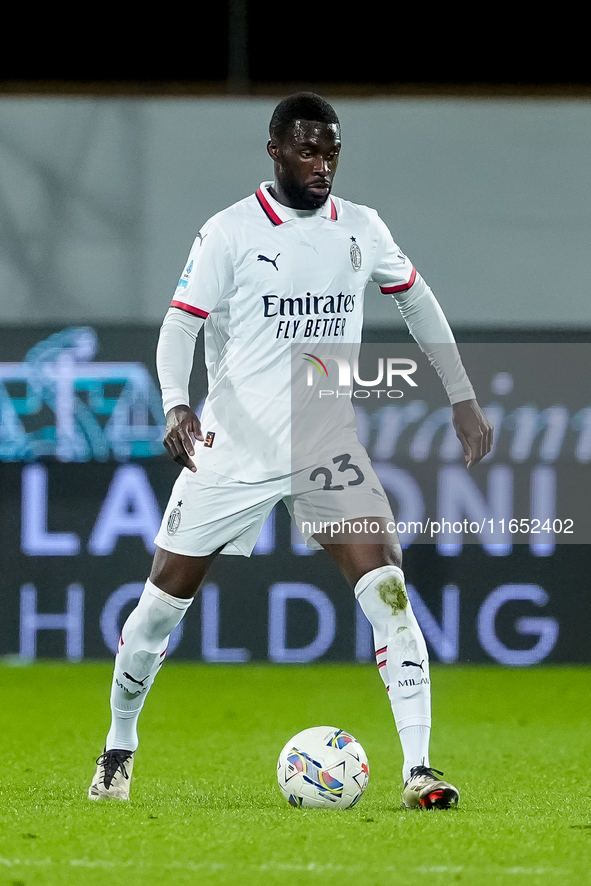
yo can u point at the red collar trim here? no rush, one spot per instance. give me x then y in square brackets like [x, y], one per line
[275, 219]
[267, 208]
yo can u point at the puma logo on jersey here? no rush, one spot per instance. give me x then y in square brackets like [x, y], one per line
[412, 664]
[272, 261]
[201, 238]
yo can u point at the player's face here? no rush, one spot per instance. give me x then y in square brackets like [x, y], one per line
[306, 160]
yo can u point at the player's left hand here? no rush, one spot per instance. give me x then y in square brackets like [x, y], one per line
[473, 429]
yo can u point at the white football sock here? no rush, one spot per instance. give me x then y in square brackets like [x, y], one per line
[402, 659]
[142, 649]
[415, 747]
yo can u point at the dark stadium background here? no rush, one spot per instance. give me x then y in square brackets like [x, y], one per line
[256, 46]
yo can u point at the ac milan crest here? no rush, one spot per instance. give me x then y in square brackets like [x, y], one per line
[355, 254]
[173, 521]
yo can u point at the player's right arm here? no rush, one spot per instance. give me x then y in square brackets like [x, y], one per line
[174, 361]
[208, 275]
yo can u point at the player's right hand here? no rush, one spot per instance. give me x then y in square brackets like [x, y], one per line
[182, 428]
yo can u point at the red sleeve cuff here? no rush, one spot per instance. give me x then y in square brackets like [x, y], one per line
[190, 309]
[390, 290]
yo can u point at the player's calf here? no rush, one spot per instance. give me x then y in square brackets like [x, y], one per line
[141, 653]
[402, 659]
[142, 649]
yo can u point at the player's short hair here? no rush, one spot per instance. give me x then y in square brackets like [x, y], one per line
[300, 106]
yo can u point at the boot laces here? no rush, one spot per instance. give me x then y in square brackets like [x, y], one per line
[418, 771]
[111, 761]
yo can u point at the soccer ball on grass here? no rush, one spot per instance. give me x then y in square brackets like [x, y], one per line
[323, 767]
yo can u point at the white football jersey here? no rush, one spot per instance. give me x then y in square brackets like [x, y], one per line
[267, 277]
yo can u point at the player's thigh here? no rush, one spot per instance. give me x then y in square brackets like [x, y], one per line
[341, 506]
[208, 514]
[355, 556]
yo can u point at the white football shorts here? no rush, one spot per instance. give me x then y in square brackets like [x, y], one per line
[207, 511]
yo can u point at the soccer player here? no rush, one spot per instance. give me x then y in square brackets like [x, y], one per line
[284, 267]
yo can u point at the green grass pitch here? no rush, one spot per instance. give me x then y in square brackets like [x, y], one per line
[206, 809]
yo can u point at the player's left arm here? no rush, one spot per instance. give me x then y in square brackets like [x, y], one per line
[428, 325]
[473, 429]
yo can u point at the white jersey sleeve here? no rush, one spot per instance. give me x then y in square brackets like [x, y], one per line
[174, 356]
[208, 276]
[209, 273]
[422, 313]
[392, 270]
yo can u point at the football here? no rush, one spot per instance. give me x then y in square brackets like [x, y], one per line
[323, 767]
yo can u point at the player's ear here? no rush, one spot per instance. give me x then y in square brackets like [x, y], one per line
[272, 149]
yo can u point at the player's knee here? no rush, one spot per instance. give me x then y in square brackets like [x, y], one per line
[382, 594]
[394, 555]
[370, 559]
[177, 575]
